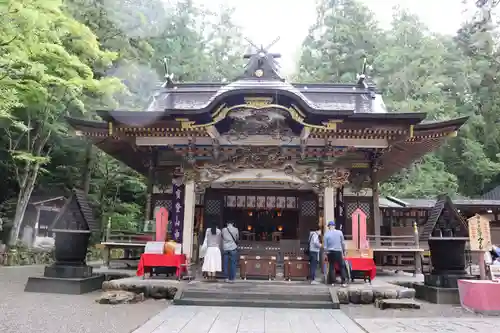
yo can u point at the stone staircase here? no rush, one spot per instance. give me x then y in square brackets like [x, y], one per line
[275, 294]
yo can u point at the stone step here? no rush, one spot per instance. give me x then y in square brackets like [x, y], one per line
[256, 295]
[396, 304]
[261, 303]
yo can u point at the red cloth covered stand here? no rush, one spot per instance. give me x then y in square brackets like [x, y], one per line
[149, 261]
[362, 264]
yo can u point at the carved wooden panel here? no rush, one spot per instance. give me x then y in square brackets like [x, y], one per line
[351, 204]
[214, 208]
[308, 217]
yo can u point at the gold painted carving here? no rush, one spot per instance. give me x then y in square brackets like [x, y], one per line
[332, 124]
[258, 102]
[254, 103]
[335, 177]
[185, 123]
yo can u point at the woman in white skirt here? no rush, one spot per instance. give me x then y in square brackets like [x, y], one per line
[212, 262]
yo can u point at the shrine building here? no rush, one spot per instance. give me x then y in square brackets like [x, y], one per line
[277, 158]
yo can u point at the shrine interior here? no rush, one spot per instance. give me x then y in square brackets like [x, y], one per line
[264, 224]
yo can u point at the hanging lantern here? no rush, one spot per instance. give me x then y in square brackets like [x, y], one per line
[280, 228]
[278, 213]
[249, 228]
[250, 213]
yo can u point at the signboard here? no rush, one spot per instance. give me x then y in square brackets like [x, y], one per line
[479, 233]
[177, 212]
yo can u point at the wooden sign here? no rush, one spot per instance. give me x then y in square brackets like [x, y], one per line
[358, 219]
[479, 233]
[356, 253]
[161, 224]
[495, 272]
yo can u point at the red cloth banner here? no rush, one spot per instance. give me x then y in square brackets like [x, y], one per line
[161, 224]
[359, 237]
[149, 260]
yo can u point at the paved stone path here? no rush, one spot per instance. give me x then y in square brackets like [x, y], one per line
[198, 319]
[431, 325]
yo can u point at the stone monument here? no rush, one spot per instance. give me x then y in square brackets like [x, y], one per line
[446, 233]
[70, 273]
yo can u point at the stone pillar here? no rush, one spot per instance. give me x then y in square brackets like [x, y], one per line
[189, 214]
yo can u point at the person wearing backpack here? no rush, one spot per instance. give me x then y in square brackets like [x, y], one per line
[230, 237]
[313, 253]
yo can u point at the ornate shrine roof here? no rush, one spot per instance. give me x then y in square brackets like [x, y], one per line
[308, 120]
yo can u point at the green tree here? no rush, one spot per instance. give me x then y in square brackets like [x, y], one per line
[48, 64]
[344, 33]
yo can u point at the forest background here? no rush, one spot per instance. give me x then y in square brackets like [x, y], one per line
[71, 57]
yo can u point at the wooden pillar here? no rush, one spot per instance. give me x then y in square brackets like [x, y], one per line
[418, 255]
[188, 225]
[377, 223]
[328, 206]
[150, 183]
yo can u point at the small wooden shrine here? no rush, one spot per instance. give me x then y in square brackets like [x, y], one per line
[261, 149]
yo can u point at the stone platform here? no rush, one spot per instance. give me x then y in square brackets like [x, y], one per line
[197, 319]
[151, 288]
[274, 294]
[71, 286]
[65, 279]
[280, 294]
[440, 288]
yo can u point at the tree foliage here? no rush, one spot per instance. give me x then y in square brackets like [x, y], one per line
[420, 71]
[71, 57]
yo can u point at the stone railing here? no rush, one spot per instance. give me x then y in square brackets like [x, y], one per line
[22, 257]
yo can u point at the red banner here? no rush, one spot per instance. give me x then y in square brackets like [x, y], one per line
[161, 224]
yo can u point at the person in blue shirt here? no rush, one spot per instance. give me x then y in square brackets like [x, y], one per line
[314, 249]
[335, 251]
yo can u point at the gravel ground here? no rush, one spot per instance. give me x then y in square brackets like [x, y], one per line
[22, 312]
[426, 310]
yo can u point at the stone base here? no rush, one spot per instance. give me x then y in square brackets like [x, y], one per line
[445, 280]
[67, 272]
[120, 297]
[437, 295]
[75, 286]
[369, 294]
[383, 304]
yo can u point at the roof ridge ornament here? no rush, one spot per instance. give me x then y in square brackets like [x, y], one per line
[262, 64]
[363, 79]
[169, 77]
[362, 76]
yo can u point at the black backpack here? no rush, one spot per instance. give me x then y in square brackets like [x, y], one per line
[306, 250]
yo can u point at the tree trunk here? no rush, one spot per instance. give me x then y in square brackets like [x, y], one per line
[87, 168]
[22, 202]
[27, 180]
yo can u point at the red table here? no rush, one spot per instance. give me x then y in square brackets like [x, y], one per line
[149, 260]
[363, 264]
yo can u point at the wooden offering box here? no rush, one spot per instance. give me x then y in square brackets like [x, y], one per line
[255, 266]
[296, 267]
